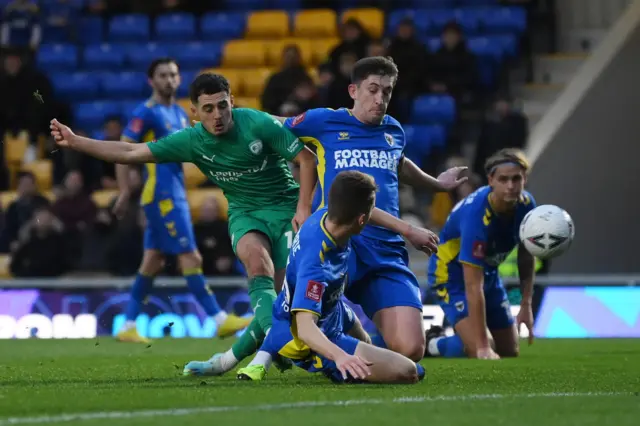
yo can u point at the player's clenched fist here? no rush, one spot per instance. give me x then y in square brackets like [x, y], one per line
[423, 240]
[354, 366]
[61, 134]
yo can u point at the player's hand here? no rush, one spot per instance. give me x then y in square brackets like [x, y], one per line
[450, 179]
[487, 353]
[121, 205]
[301, 215]
[62, 134]
[423, 240]
[525, 316]
[354, 366]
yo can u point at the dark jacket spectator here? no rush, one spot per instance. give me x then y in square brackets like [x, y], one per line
[21, 210]
[354, 39]
[212, 237]
[453, 67]
[21, 25]
[74, 206]
[338, 93]
[411, 57]
[42, 247]
[280, 85]
[304, 97]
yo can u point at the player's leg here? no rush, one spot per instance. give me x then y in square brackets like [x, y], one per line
[388, 366]
[501, 323]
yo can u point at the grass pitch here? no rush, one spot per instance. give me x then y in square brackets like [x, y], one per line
[85, 382]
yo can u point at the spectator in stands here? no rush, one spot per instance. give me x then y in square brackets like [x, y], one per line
[304, 97]
[453, 67]
[325, 77]
[58, 16]
[281, 85]
[214, 243]
[124, 252]
[20, 109]
[21, 210]
[377, 48]
[443, 202]
[21, 26]
[337, 94]
[100, 174]
[503, 127]
[354, 39]
[42, 247]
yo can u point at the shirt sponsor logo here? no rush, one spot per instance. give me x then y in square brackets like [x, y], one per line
[294, 146]
[366, 158]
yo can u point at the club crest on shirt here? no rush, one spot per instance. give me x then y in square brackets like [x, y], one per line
[389, 139]
[255, 147]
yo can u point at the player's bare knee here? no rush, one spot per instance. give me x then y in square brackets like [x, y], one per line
[152, 263]
[257, 261]
[191, 260]
[409, 374]
[414, 350]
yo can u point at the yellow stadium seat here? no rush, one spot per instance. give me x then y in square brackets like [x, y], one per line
[193, 177]
[195, 197]
[104, 197]
[370, 18]
[253, 103]
[49, 195]
[233, 76]
[267, 25]
[315, 23]
[5, 263]
[275, 48]
[243, 54]
[6, 198]
[15, 147]
[255, 80]
[43, 171]
[322, 48]
[313, 73]
[185, 103]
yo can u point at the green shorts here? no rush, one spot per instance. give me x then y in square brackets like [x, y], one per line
[274, 224]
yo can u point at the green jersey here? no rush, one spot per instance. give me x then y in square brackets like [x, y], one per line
[249, 163]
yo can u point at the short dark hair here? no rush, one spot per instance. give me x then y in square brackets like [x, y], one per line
[208, 84]
[374, 65]
[505, 156]
[160, 61]
[26, 174]
[352, 194]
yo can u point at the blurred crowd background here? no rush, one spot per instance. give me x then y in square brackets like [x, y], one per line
[84, 62]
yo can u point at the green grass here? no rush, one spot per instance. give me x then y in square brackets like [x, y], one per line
[41, 378]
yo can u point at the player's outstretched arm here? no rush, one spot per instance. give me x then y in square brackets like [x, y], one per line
[312, 336]
[526, 272]
[110, 151]
[422, 239]
[446, 181]
[474, 289]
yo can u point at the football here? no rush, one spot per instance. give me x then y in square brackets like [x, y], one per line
[547, 231]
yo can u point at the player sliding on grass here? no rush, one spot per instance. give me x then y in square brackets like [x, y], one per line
[479, 234]
[312, 325]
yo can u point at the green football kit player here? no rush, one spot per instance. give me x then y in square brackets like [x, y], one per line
[245, 153]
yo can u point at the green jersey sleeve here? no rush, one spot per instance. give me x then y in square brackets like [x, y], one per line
[280, 139]
[175, 148]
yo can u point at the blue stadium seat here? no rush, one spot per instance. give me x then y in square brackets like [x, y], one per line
[91, 115]
[485, 47]
[123, 84]
[132, 27]
[468, 19]
[140, 56]
[104, 57]
[422, 139]
[91, 30]
[55, 34]
[433, 43]
[439, 18]
[245, 4]
[176, 27]
[57, 57]
[197, 54]
[222, 26]
[420, 21]
[508, 42]
[187, 77]
[429, 109]
[505, 20]
[127, 108]
[75, 87]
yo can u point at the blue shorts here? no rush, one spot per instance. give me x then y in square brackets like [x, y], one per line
[169, 229]
[453, 301]
[379, 276]
[280, 341]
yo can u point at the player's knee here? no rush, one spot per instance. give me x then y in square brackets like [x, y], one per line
[407, 373]
[152, 263]
[191, 260]
[411, 348]
[257, 261]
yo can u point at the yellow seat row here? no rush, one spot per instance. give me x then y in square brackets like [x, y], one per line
[260, 53]
[310, 23]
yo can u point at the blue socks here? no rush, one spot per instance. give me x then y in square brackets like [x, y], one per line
[197, 286]
[421, 372]
[141, 288]
[450, 347]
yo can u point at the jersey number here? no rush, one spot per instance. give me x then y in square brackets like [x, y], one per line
[289, 235]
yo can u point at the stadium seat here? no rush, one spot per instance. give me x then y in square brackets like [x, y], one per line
[253, 103]
[103, 198]
[5, 266]
[468, 19]
[244, 4]
[197, 55]
[315, 23]
[243, 54]
[57, 57]
[195, 197]
[6, 198]
[43, 171]
[313, 73]
[75, 87]
[254, 80]
[439, 18]
[91, 30]
[91, 115]
[322, 48]
[193, 177]
[505, 19]
[127, 108]
[420, 19]
[175, 27]
[275, 48]
[371, 19]
[433, 109]
[131, 27]
[104, 57]
[15, 147]
[507, 42]
[486, 48]
[139, 56]
[185, 103]
[233, 76]
[267, 25]
[187, 77]
[222, 26]
[123, 85]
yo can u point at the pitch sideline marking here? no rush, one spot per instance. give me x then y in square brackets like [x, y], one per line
[100, 415]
